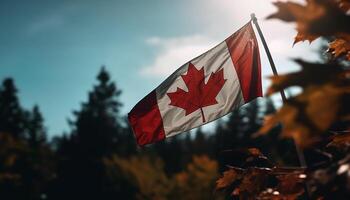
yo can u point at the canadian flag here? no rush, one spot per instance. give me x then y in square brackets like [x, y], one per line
[202, 90]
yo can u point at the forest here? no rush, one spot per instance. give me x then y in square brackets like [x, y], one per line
[99, 158]
[251, 154]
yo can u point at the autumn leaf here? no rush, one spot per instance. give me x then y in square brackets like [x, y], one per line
[308, 115]
[200, 94]
[254, 152]
[340, 140]
[227, 179]
[315, 18]
[344, 5]
[263, 182]
[322, 103]
[340, 47]
[250, 181]
[254, 181]
[301, 37]
[310, 74]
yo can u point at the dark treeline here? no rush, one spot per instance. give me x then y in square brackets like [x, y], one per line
[98, 158]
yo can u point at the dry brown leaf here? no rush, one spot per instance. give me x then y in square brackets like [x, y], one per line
[301, 37]
[287, 11]
[340, 47]
[254, 182]
[344, 5]
[227, 179]
[340, 140]
[321, 104]
[254, 152]
[315, 18]
[311, 74]
[309, 114]
[291, 185]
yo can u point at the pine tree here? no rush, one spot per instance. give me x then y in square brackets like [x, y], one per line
[26, 163]
[35, 128]
[96, 133]
[97, 130]
[229, 133]
[11, 115]
[200, 146]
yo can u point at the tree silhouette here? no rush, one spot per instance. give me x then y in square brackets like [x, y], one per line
[11, 115]
[96, 129]
[35, 128]
[200, 143]
[26, 161]
[96, 133]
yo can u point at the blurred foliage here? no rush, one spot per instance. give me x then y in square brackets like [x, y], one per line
[147, 175]
[142, 172]
[197, 181]
[317, 119]
[260, 180]
[323, 103]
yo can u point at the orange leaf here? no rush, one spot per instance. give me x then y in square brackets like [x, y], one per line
[315, 18]
[321, 104]
[254, 152]
[344, 5]
[340, 47]
[325, 73]
[227, 179]
[340, 140]
[301, 37]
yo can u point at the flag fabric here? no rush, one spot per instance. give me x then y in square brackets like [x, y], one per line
[202, 90]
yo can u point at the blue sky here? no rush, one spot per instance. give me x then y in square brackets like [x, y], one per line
[54, 49]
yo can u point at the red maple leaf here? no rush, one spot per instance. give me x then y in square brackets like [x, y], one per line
[200, 94]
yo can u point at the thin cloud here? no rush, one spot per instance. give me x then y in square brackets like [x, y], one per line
[51, 19]
[174, 52]
[46, 23]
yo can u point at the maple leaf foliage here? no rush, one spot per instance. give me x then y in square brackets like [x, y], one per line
[321, 104]
[340, 47]
[256, 182]
[340, 140]
[318, 18]
[321, 108]
[325, 86]
[200, 94]
[315, 18]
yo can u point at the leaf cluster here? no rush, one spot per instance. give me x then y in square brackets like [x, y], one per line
[323, 103]
[317, 119]
[269, 182]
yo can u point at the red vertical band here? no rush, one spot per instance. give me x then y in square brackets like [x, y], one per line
[146, 121]
[244, 51]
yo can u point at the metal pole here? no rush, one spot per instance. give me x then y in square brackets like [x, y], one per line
[272, 64]
[299, 151]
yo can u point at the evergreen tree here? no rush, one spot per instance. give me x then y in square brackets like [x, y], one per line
[26, 164]
[97, 130]
[96, 133]
[11, 115]
[35, 128]
[169, 150]
[200, 146]
[252, 119]
[228, 133]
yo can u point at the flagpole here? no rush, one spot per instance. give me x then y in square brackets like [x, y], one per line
[299, 151]
[275, 73]
[272, 64]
